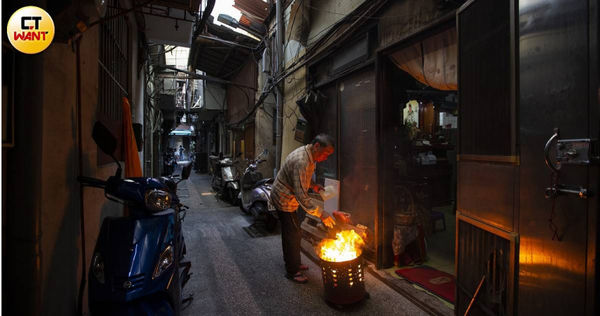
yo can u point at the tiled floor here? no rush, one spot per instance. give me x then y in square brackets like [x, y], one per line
[440, 245]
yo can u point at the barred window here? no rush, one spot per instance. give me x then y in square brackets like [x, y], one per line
[113, 74]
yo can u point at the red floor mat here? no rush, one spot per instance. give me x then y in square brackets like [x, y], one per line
[438, 282]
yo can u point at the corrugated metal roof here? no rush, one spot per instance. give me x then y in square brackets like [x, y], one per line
[253, 9]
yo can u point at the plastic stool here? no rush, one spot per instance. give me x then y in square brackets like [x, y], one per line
[436, 216]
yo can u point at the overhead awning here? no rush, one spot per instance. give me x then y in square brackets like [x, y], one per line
[170, 22]
[181, 133]
[222, 52]
[182, 130]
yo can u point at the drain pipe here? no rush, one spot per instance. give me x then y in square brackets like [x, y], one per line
[279, 87]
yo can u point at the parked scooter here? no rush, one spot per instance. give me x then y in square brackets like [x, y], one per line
[225, 180]
[255, 192]
[169, 162]
[137, 267]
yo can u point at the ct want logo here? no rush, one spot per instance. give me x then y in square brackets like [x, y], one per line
[30, 30]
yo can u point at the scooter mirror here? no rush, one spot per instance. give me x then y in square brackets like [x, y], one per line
[185, 173]
[104, 139]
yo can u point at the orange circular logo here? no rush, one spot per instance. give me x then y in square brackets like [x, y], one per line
[30, 30]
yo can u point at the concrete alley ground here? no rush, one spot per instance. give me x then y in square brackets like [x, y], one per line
[234, 274]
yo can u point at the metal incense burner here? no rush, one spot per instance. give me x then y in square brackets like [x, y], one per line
[344, 281]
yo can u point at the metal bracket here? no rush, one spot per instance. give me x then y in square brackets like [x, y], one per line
[582, 151]
[563, 189]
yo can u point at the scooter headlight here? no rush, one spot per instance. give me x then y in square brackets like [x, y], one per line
[157, 200]
[164, 262]
[98, 267]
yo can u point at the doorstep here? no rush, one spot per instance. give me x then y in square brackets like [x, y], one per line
[417, 295]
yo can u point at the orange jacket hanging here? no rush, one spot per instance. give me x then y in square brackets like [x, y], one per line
[132, 160]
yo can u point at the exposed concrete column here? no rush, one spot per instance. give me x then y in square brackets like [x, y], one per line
[278, 88]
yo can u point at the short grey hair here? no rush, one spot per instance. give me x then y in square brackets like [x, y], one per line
[324, 140]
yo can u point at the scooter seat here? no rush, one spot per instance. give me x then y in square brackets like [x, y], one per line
[264, 181]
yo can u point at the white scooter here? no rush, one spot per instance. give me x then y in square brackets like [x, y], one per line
[255, 192]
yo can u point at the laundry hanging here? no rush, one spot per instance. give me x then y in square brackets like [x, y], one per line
[133, 167]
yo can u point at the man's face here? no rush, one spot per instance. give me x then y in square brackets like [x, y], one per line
[321, 153]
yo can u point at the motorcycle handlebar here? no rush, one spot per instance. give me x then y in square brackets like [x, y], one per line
[92, 182]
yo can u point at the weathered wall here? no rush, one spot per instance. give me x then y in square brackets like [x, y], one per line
[241, 100]
[215, 97]
[263, 138]
[294, 87]
[21, 187]
[324, 14]
[264, 125]
[61, 265]
[403, 18]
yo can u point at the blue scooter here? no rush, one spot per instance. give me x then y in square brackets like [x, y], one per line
[137, 267]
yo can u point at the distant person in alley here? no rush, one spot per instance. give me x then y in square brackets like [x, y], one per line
[290, 189]
[181, 152]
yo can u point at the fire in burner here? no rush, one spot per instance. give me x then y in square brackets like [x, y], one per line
[346, 246]
[342, 267]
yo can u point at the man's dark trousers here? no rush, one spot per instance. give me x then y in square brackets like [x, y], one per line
[290, 240]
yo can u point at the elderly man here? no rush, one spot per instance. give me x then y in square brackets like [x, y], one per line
[290, 190]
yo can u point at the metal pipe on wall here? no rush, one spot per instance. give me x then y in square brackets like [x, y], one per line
[278, 88]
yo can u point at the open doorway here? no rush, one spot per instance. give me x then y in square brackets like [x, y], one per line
[425, 164]
[420, 124]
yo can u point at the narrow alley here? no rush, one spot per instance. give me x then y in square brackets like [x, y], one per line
[300, 157]
[235, 274]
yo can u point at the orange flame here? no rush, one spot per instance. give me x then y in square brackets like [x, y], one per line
[346, 246]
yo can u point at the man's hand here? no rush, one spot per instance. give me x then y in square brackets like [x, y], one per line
[317, 188]
[328, 221]
[342, 216]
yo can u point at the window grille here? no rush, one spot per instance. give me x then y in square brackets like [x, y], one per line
[113, 73]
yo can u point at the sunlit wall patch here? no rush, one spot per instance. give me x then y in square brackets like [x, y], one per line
[30, 30]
